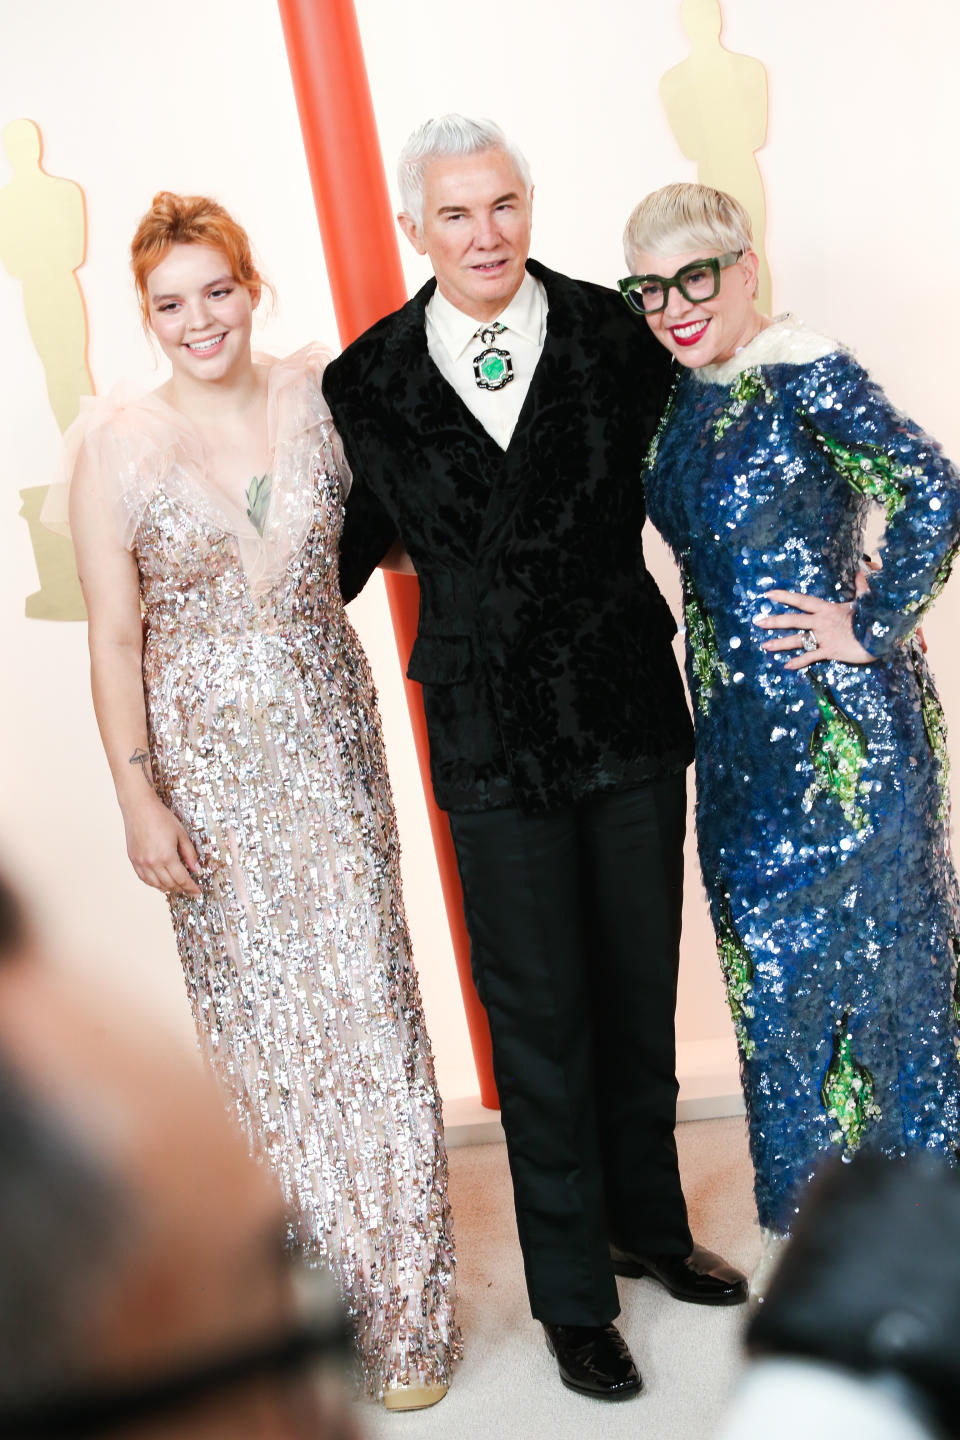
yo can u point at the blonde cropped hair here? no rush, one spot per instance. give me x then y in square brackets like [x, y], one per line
[686, 217]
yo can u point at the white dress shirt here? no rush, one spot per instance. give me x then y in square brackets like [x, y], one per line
[453, 342]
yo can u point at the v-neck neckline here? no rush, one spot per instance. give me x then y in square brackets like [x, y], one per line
[228, 507]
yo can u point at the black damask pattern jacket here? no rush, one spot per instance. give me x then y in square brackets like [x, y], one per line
[543, 645]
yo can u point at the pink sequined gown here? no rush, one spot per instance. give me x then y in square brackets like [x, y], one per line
[265, 740]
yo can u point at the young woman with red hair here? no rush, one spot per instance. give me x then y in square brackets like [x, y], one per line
[240, 723]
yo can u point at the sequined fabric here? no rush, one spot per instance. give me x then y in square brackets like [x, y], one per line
[822, 811]
[266, 741]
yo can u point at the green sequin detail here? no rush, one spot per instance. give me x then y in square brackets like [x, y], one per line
[870, 471]
[258, 501]
[940, 578]
[935, 727]
[941, 575]
[847, 1091]
[654, 447]
[737, 966]
[702, 639]
[838, 752]
[955, 947]
[744, 390]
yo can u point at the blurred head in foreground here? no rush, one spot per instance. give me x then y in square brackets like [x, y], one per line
[146, 1288]
[857, 1335]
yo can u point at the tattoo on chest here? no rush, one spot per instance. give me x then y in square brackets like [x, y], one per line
[258, 499]
[141, 757]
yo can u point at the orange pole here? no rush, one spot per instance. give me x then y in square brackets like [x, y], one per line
[366, 279]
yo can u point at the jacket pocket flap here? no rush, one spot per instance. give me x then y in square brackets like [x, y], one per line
[440, 659]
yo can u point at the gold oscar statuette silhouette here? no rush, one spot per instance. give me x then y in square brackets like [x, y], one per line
[42, 243]
[716, 103]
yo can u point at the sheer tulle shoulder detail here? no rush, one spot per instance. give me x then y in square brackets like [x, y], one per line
[295, 403]
[125, 441]
[297, 406]
[131, 444]
[302, 436]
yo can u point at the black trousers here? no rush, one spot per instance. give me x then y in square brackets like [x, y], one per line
[574, 922]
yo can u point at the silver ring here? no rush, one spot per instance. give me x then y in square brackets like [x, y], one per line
[809, 640]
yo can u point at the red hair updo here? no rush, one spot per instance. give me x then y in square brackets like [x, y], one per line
[190, 220]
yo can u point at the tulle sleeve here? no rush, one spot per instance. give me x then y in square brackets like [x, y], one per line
[299, 413]
[123, 445]
[317, 363]
[130, 445]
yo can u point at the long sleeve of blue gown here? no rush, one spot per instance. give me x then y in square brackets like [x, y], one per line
[888, 457]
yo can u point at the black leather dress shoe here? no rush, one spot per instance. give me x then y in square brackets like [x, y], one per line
[594, 1360]
[700, 1277]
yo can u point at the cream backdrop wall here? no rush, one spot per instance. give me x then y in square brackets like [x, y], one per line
[130, 97]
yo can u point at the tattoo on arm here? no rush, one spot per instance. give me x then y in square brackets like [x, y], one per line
[141, 757]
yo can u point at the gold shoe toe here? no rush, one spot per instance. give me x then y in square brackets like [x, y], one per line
[413, 1397]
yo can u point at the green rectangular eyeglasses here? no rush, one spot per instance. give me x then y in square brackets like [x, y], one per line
[698, 281]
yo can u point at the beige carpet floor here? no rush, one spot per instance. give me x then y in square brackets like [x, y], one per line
[507, 1383]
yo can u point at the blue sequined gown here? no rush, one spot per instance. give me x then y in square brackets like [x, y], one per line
[822, 808]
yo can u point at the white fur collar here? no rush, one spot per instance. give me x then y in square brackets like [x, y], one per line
[785, 341]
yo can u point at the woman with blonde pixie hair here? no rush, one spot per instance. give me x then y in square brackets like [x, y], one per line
[694, 213]
[241, 728]
[822, 807]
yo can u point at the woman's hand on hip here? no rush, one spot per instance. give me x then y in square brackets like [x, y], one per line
[819, 629]
[160, 850]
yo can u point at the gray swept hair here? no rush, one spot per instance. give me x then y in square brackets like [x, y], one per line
[686, 217]
[449, 135]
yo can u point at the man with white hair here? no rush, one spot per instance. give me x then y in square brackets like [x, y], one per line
[495, 425]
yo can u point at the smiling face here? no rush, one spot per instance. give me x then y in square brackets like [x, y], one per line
[202, 317]
[707, 331]
[477, 216]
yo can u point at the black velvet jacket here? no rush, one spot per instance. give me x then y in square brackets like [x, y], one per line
[543, 645]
